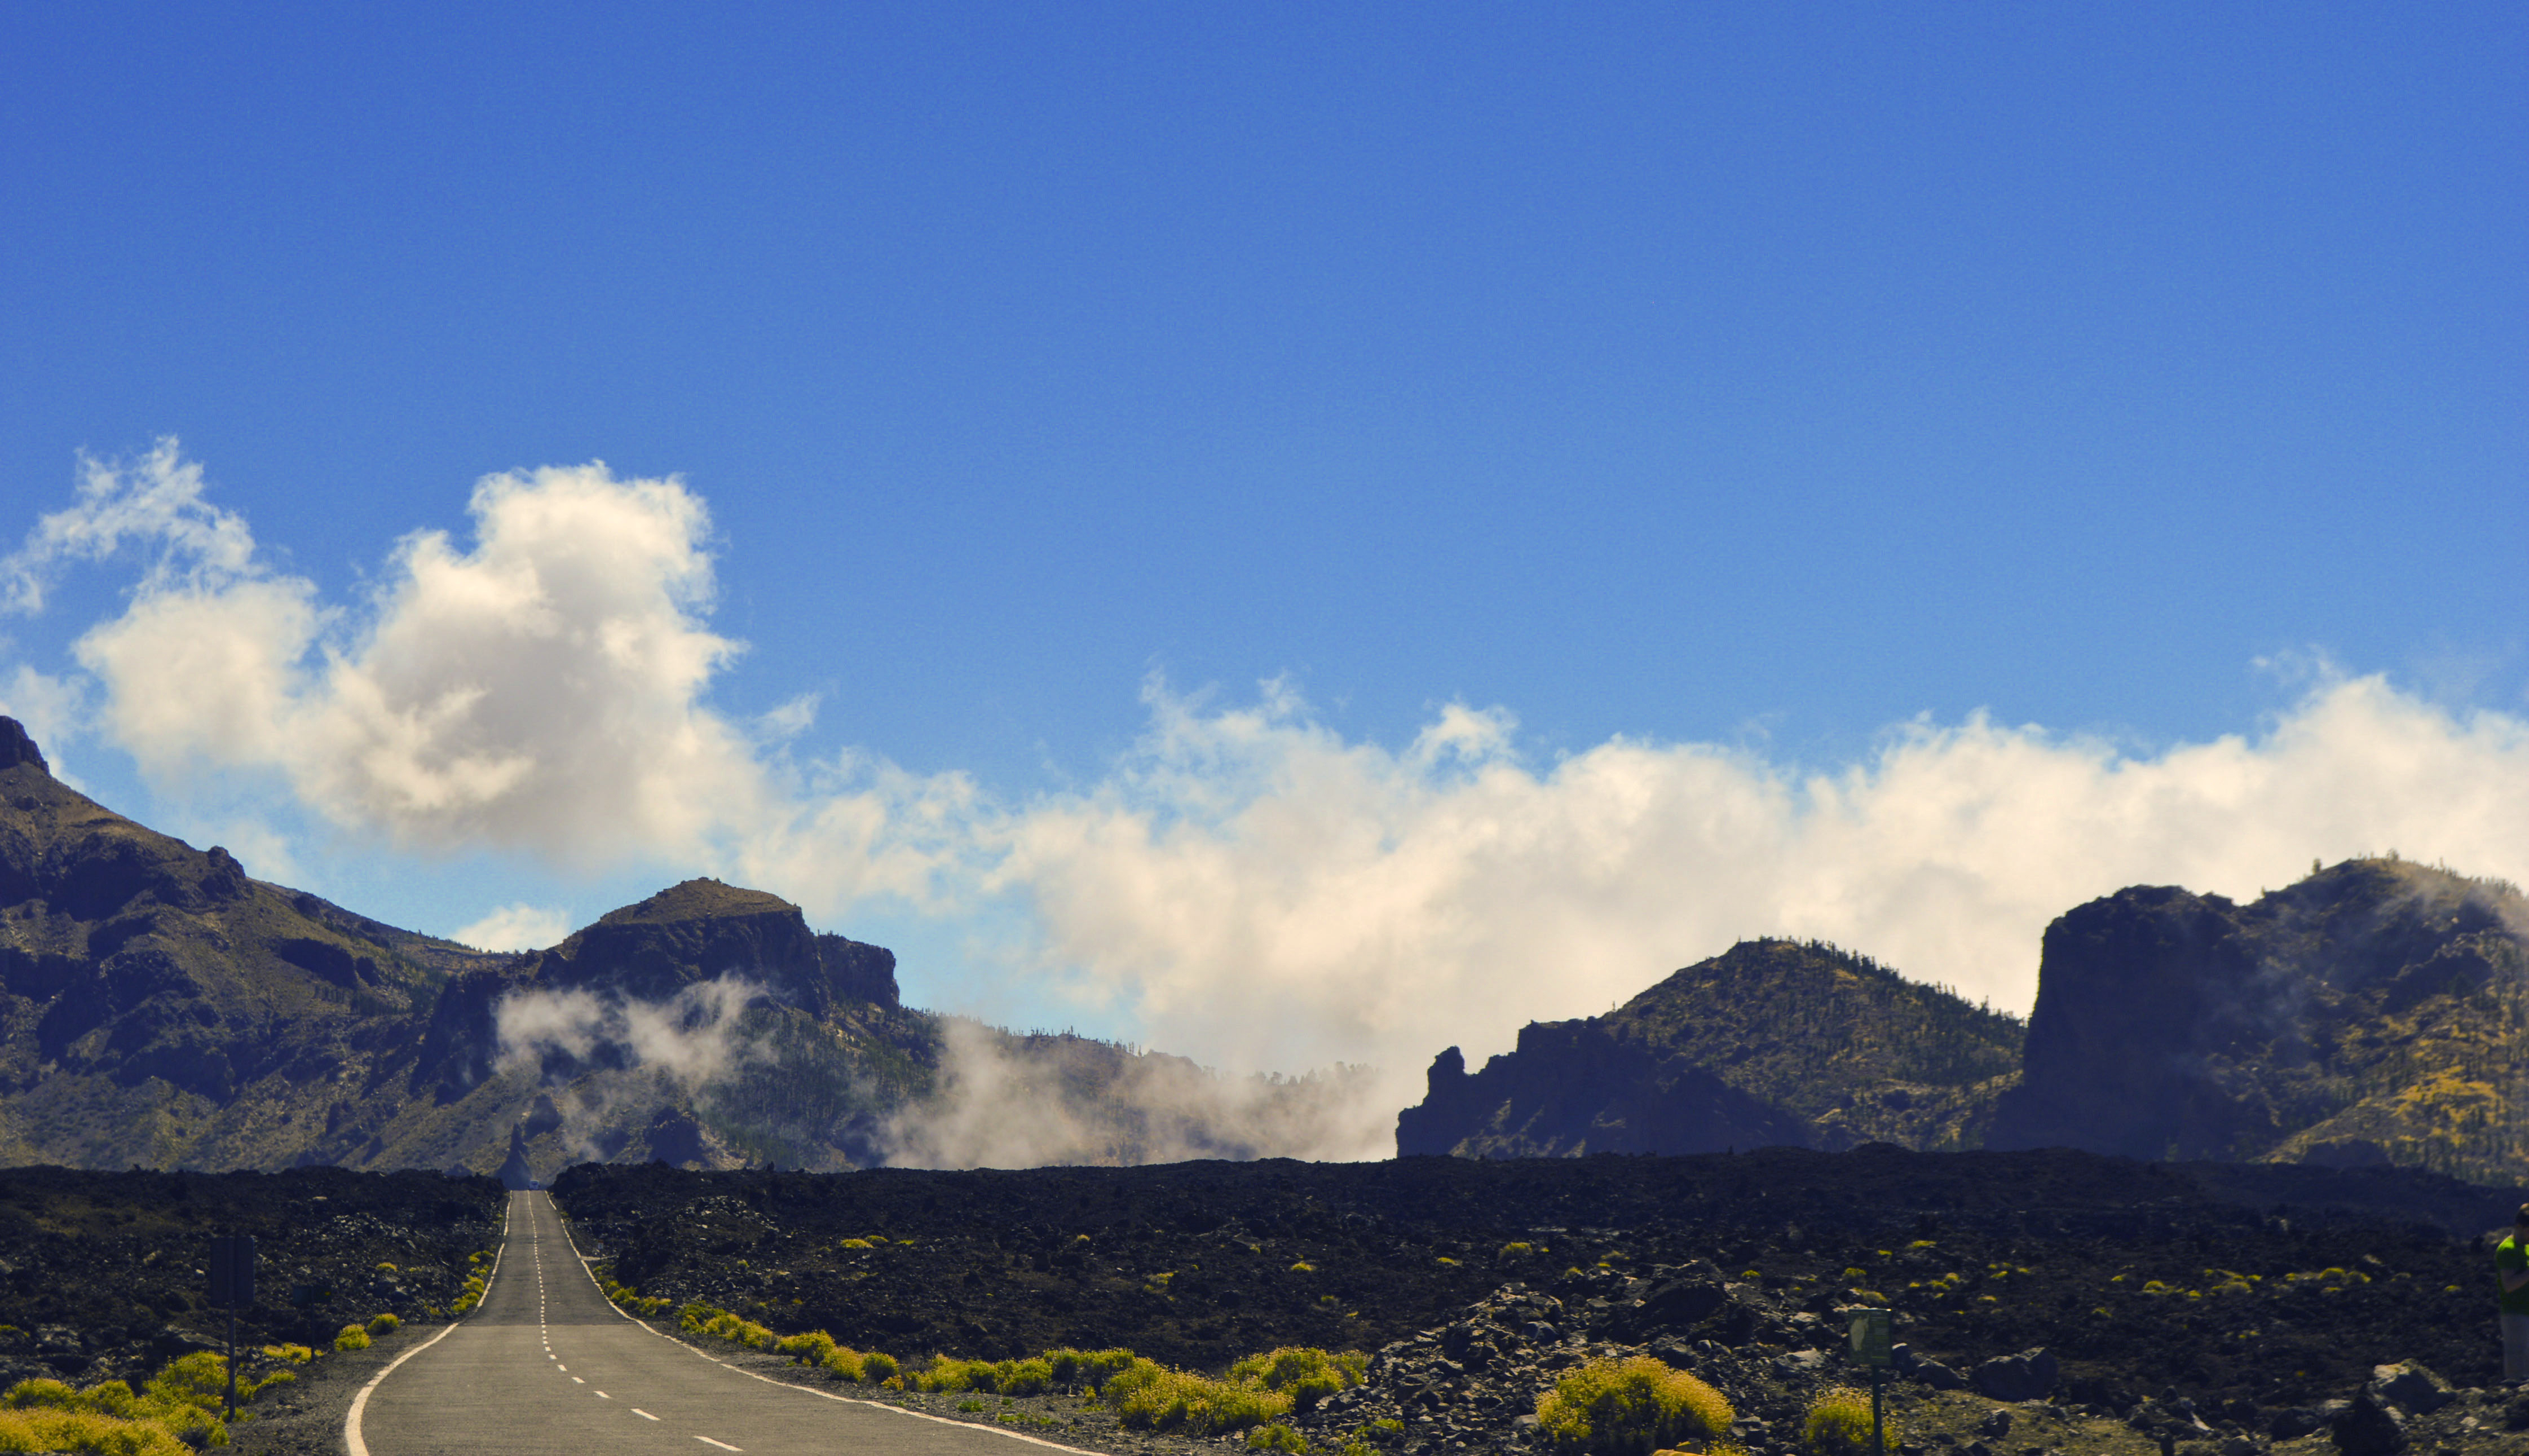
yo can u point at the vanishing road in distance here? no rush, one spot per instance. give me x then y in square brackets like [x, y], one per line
[548, 1366]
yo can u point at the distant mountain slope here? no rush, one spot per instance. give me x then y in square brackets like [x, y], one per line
[1774, 1041]
[2377, 1011]
[159, 1007]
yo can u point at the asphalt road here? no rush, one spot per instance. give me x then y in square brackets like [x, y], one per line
[547, 1364]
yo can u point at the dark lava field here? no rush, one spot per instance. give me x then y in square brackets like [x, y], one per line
[101, 1275]
[2198, 1310]
[2240, 1287]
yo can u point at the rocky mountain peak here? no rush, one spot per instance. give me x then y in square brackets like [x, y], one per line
[17, 747]
[699, 900]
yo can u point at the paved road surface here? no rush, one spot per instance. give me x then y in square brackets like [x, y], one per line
[547, 1365]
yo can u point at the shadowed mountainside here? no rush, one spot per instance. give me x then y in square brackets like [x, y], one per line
[1772, 1042]
[161, 1008]
[2377, 1011]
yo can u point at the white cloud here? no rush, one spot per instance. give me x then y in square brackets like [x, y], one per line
[157, 504]
[1262, 893]
[541, 690]
[691, 1038]
[1245, 886]
[517, 927]
[1014, 1102]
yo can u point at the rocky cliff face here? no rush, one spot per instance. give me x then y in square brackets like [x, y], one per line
[1774, 1041]
[158, 1007]
[2377, 1011]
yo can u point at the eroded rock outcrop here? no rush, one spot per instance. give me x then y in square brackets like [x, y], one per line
[2376, 1012]
[1774, 1041]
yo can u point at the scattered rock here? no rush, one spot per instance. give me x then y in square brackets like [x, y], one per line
[2368, 1428]
[2410, 1387]
[2027, 1375]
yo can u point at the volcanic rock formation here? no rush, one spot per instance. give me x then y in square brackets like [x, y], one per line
[1774, 1041]
[2377, 1011]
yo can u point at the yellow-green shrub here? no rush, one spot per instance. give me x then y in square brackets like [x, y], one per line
[1086, 1369]
[811, 1347]
[880, 1367]
[1277, 1437]
[1631, 1407]
[294, 1354]
[384, 1324]
[1147, 1396]
[1839, 1423]
[174, 1414]
[353, 1337]
[1308, 1376]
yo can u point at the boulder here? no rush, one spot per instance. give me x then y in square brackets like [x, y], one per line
[2027, 1375]
[2410, 1387]
[2368, 1427]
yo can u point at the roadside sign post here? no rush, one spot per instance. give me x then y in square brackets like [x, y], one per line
[232, 1286]
[1872, 1336]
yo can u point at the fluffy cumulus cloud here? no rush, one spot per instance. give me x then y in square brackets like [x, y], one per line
[540, 688]
[1245, 886]
[1260, 889]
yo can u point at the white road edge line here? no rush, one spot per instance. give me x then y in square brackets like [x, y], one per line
[850, 1400]
[360, 1402]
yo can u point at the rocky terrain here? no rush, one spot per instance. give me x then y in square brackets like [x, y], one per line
[2250, 1293]
[2377, 1011]
[2046, 1302]
[1774, 1042]
[103, 1275]
[160, 1008]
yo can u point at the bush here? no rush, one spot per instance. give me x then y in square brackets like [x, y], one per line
[1277, 1437]
[353, 1337]
[881, 1367]
[294, 1354]
[1306, 1376]
[1839, 1423]
[176, 1413]
[1088, 1369]
[1149, 1397]
[1631, 1407]
[384, 1324]
[811, 1347]
[846, 1363]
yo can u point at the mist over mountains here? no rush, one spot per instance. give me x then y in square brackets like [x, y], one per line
[164, 1009]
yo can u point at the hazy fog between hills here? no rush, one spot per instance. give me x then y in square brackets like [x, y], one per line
[1002, 1099]
[1244, 885]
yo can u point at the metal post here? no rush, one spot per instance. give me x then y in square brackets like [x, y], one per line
[232, 1362]
[1878, 1427]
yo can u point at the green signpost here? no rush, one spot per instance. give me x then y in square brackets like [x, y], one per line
[1873, 1345]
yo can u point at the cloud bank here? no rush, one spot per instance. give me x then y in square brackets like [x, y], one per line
[1244, 885]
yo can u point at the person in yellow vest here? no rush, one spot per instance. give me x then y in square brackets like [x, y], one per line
[2511, 1266]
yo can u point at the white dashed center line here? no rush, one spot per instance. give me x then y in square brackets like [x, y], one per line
[644, 1415]
[724, 1446]
[602, 1395]
[576, 1381]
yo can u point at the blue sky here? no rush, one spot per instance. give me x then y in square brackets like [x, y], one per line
[1768, 386]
